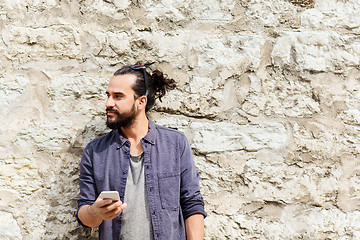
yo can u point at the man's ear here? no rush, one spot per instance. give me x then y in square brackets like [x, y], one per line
[141, 102]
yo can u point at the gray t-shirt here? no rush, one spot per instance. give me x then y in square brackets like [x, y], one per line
[136, 219]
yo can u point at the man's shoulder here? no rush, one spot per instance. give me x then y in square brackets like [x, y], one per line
[168, 134]
[103, 140]
[169, 130]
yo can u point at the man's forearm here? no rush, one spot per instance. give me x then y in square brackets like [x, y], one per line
[195, 227]
[88, 218]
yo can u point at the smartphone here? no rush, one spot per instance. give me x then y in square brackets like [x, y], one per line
[113, 195]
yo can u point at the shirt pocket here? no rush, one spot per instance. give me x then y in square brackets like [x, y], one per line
[169, 189]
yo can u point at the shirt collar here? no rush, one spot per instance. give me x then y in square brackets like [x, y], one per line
[120, 139]
[149, 137]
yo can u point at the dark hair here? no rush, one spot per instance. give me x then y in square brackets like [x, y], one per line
[159, 84]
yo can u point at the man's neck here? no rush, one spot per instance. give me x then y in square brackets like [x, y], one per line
[138, 130]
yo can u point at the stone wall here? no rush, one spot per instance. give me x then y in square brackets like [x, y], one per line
[268, 96]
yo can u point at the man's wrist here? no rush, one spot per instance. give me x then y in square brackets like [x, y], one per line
[91, 212]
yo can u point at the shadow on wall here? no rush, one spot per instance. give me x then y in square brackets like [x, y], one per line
[65, 188]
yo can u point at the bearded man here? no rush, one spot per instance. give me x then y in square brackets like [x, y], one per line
[150, 166]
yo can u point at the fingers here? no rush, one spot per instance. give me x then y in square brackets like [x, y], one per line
[106, 209]
[102, 202]
[114, 210]
[111, 206]
[123, 206]
[120, 209]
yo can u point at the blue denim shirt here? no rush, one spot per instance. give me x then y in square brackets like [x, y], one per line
[172, 181]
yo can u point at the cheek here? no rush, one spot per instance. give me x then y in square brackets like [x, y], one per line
[123, 105]
[119, 106]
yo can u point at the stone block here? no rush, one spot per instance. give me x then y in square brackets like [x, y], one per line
[47, 42]
[315, 52]
[9, 229]
[342, 16]
[221, 137]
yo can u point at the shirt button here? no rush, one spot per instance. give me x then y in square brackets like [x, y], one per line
[153, 213]
[124, 172]
[151, 189]
[121, 195]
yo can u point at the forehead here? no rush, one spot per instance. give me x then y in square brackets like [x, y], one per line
[121, 83]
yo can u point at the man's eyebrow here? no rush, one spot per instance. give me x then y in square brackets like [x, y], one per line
[115, 93]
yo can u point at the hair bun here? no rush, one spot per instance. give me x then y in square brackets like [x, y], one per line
[161, 84]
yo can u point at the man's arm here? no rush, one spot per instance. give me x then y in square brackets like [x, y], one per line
[91, 213]
[194, 226]
[102, 209]
[191, 201]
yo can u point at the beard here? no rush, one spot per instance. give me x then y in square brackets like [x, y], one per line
[123, 120]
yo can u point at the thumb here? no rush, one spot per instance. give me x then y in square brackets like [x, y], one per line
[100, 202]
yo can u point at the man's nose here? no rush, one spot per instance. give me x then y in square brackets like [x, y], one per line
[109, 102]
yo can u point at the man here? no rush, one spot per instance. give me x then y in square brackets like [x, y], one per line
[150, 166]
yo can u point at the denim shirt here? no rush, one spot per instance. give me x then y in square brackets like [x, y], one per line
[172, 181]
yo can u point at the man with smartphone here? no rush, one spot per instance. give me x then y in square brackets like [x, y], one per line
[139, 181]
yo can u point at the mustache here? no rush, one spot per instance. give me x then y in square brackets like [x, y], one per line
[111, 110]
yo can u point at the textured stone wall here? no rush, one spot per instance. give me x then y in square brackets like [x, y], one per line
[268, 97]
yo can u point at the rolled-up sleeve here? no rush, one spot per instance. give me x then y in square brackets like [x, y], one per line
[88, 193]
[190, 197]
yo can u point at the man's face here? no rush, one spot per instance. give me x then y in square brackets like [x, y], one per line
[121, 108]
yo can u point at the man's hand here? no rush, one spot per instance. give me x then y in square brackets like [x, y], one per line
[102, 209]
[106, 209]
